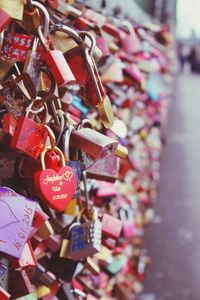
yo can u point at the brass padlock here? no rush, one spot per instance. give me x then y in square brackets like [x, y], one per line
[95, 144]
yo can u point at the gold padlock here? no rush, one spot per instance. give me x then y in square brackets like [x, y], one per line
[13, 8]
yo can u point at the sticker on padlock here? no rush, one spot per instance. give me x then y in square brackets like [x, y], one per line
[55, 187]
[29, 137]
[85, 238]
[15, 46]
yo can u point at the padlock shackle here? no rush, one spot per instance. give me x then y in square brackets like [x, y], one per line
[92, 68]
[65, 140]
[87, 206]
[51, 136]
[126, 24]
[92, 39]
[56, 150]
[68, 30]
[45, 13]
[42, 37]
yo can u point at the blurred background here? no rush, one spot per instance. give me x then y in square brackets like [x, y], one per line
[173, 238]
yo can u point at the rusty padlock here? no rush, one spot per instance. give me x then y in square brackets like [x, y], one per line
[29, 137]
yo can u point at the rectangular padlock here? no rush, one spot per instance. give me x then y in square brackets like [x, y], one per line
[4, 19]
[85, 239]
[4, 295]
[15, 46]
[29, 137]
[59, 67]
[27, 258]
[111, 226]
[131, 43]
[19, 284]
[13, 9]
[56, 62]
[95, 144]
[106, 169]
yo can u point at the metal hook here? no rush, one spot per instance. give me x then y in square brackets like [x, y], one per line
[68, 30]
[45, 13]
[92, 68]
[92, 39]
[84, 175]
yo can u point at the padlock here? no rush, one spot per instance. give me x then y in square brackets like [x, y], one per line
[4, 295]
[5, 273]
[53, 4]
[73, 54]
[3, 268]
[55, 187]
[94, 92]
[5, 19]
[29, 137]
[95, 144]
[129, 226]
[63, 268]
[26, 260]
[32, 64]
[56, 62]
[111, 226]
[6, 65]
[65, 293]
[5, 139]
[130, 43]
[85, 239]
[13, 9]
[9, 123]
[76, 165]
[15, 46]
[96, 17]
[20, 285]
[31, 18]
[112, 66]
[15, 236]
[106, 169]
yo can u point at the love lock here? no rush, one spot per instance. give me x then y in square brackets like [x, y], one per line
[55, 187]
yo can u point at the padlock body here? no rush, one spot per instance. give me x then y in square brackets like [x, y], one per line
[59, 67]
[103, 46]
[15, 46]
[29, 137]
[85, 240]
[4, 19]
[31, 21]
[131, 43]
[95, 144]
[78, 65]
[111, 227]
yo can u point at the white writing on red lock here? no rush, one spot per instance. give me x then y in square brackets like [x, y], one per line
[66, 176]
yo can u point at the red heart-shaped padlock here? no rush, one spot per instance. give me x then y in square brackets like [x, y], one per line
[56, 187]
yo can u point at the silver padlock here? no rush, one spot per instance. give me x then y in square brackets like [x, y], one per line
[86, 238]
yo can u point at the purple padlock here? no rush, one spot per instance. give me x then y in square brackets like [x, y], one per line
[17, 214]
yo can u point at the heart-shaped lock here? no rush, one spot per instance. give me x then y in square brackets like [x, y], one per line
[55, 187]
